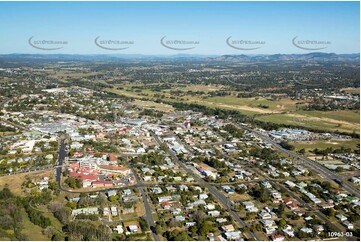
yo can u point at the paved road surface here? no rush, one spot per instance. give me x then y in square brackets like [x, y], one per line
[61, 157]
[148, 210]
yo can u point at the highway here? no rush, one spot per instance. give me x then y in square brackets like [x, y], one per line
[220, 197]
[315, 166]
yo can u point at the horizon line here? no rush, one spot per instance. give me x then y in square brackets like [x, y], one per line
[128, 54]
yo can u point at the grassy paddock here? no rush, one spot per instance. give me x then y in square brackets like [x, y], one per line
[14, 182]
[320, 144]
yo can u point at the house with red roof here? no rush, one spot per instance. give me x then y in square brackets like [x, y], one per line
[277, 237]
[73, 167]
[78, 154]
[166, 205]
[84, 177]
[287, 201]
[292, 206]
[112, 157]
[96, 184]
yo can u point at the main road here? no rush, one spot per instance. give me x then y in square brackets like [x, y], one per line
[220, 197]
[320, 169]
[61, 158]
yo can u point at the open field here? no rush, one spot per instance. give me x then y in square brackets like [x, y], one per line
[153, 105]
[198, 88]
[349, 116]
[321, 144]
[321, 123]
[14, 182]
[124, 92]
[256, 103]
[139, 209]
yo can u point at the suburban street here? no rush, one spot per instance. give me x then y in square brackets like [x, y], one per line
[148, 210]
[219, 196]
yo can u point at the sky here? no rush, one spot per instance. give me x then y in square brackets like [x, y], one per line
[251, 27]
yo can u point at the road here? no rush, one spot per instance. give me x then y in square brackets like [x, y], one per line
[318, 168]
[148, 210]
[61, 158]
[32, 169]
[220, 197]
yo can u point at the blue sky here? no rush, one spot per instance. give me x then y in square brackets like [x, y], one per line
[209, 23]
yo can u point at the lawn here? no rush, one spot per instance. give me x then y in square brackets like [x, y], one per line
[351, 116]
[320, 144]
[256, 103]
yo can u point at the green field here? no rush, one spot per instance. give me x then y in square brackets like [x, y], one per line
[256, 103]
[352, 116]
[308, 146]
[317, 120]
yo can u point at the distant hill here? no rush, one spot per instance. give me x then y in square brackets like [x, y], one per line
[315, 56]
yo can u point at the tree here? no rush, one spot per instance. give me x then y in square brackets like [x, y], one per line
[158, 229]
[330, 212]
[63, 214]
[282, 223]
[286, 145]
[182, 236]
[205, 228]
[112, 198]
